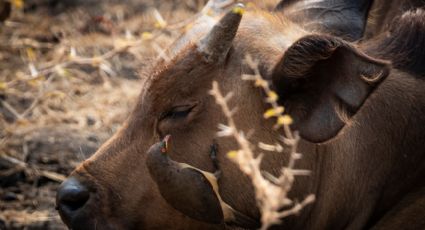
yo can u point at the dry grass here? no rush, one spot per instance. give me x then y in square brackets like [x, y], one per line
[68, 78]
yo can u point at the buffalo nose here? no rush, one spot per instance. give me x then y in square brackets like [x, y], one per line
[70, 198]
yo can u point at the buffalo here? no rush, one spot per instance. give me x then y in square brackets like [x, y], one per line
[359, 108]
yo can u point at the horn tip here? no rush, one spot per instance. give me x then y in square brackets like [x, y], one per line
[239, 9]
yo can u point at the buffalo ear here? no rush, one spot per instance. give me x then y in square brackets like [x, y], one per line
[323, 81]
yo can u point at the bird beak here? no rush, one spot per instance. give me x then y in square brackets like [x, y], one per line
[166, 144]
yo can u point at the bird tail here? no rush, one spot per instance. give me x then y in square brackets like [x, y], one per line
[244, 221]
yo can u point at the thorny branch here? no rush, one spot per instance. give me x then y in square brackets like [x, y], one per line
[23, 166]
[271, 192]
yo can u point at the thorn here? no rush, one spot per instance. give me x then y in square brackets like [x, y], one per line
[228, 96]
[233, 111]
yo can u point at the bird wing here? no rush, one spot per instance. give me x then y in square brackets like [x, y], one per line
[230, 215]
[227, 209]
[191, 192]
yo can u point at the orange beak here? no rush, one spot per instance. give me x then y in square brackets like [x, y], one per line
[166, 141]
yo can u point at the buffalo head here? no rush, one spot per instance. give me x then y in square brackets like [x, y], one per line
[348, 107]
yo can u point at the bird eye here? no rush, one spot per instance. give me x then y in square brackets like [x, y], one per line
[178, 112]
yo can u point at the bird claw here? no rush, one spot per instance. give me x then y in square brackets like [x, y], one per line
[217, 174]
[213, 157]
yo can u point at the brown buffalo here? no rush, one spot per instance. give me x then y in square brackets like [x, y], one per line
[360, 109]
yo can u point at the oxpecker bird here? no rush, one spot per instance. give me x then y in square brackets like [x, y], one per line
[191, 191]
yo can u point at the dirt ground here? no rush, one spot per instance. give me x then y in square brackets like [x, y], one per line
[69, 75]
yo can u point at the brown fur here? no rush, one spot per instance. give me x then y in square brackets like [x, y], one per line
[383, 12]
[406, 54]
[357, 177]
[342, 18]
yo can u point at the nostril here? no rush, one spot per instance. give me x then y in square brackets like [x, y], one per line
[75, 199]
[72, 195]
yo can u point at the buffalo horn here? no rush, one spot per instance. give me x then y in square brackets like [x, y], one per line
[218, 41]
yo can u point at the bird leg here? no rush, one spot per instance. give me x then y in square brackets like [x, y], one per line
[213, 156]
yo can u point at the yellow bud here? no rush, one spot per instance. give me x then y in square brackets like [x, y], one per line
[273, 112]
[35, 82]
[260, 82]
[19, 4]
[3, 85]
[238, 10]
[269, 113]
[284, 120]
[147, 35]
[272, 97]
[160, 24]
[232, 154]
[31, 54]
[62, 71]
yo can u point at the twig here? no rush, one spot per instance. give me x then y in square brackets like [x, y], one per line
[271, 192]
[20, 165]
[38, 98]
[11, 109]
[25, 217]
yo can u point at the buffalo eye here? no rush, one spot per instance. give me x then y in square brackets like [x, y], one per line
[177, 112]
[177, 118]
